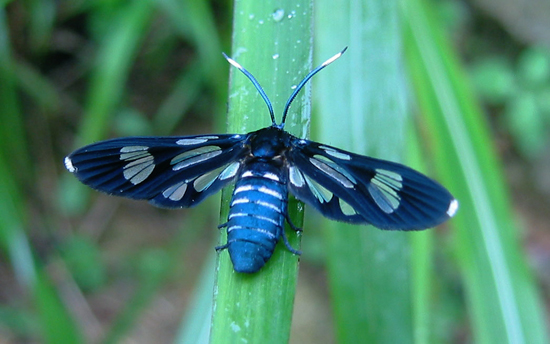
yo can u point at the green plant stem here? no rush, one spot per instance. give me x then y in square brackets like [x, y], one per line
[272, 40]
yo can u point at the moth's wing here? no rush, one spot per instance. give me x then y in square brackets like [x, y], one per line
[353, 188]
[170, 172]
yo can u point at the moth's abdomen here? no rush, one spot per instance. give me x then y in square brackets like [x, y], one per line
[256, 216]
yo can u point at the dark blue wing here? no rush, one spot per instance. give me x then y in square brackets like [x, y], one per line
[168, 171]
[353, 188]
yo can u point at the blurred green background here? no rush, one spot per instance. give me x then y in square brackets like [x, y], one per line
[79, 266]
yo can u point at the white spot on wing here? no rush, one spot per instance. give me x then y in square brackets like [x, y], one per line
[322, 194]
[69, 165]
[384, 188]
[140, 163]
[195, 140]
[139, 173]
[230, 171]
[129, 149]
[396, 177]
[205, 181]
[296, 177]
[133, 153]
[453, 207]
[346, 208]
[333, 171]
[194, 156]
[185, 142]
[175, 192]
[332, 152]
[382, 200]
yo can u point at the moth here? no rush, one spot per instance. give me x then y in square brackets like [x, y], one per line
[265, 165]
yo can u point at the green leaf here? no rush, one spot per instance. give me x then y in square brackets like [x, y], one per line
[12, 131]
[361, 102]
[503, 300]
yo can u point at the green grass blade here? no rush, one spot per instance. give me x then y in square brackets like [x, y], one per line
[113, 64]
[272, 39]
[195, 329]
[502, 297]
[56, 325]
[12, 131]
[422, 245]
[198, 24]
[195, 21]
[42, 19]
[13, 239]
[38, 88]
[117, 53]
[186, 90]
[361, 102]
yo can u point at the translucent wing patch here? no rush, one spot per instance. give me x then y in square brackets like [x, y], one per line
[384, 189]
[140, 163]
[307, 189]
[191, 192]
[353, 188]
[168, 171]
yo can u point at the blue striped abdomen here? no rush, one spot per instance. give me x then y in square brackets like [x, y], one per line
[256, 216]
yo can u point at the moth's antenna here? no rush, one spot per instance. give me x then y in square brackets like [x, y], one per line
[256, 84]
[306, 79]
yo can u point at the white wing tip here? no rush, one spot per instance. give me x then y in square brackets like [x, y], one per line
[453, 208]
[69, 165]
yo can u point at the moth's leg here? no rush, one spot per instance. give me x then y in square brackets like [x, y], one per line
[287, 244]
[292, 225]
[222, 247]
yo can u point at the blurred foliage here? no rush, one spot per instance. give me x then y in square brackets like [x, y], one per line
[519, 87]
[84, 262]
[80, 71]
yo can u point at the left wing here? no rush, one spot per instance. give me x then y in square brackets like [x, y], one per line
[353, 188]
[170, 172]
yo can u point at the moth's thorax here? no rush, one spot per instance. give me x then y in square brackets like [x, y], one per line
[268, 143]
